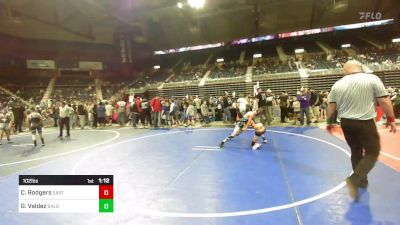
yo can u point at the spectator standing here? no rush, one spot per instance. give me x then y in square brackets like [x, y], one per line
[304, 99]
[136, 110]
[226, 105]
[315, 102]
[95, 117]
[73, 116]
[173, 112]
[284, 104]
[101, 114]
[55, 113]
[156, 109]
[146, 113]
[242, 105]
[109, 113]
[324, 105]
[197, 102]
[19, 115]
[262, 104]
[296, 110]
[204, 112]
[120, 108]
[82, 115]
[90, 113]
[270, 103]
[190, 113]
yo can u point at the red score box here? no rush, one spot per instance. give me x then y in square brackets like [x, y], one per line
[106, 192]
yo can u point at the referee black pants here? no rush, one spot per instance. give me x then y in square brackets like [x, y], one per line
[363, 139]
[64, 121]
[284, 114]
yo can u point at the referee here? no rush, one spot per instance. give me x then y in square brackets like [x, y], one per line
[65, 112]
[354, 98]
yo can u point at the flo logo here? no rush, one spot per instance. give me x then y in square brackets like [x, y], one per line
[370, 15]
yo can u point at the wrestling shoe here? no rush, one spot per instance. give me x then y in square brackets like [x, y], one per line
[364, 184]
[221, 145]
[256, 146]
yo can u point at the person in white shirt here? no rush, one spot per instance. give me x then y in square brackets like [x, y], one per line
[190, 112]
[204, 112]
[109, 113]
[242, 105]
[120, 107]
[296, 109]
[173, 109]
[197, 102]
[65, 112]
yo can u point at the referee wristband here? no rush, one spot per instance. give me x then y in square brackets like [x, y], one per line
[390, 119]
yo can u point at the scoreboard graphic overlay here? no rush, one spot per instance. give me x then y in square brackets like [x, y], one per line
[66, 193]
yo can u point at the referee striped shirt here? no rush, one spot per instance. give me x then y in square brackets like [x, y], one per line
[355, 95]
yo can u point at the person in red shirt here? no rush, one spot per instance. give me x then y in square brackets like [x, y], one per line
[156, 107]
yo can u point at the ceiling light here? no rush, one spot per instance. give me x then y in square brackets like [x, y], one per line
[156, 67]
[256, 56]
[396, 40]
[220, 60]
[197, 4]
[180, 5]
[299, 50]
[346, 45]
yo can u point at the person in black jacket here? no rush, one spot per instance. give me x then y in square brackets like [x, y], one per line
[226, 105]
[134, 113]
[82, 112]
[284, 105]
[55, 114]
[146, 113]
[19, 115]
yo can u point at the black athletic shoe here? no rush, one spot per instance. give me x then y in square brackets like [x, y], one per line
[221, 145]
[364, 184]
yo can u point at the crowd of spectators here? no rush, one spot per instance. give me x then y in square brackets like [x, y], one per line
[306, 107]
[273, 65]
[370, 56]
[189, 73]
[178, 112]
[229, 69]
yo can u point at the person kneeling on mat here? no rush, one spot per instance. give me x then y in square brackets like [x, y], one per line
[35, 122]
[259, 131]
[242, 124]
